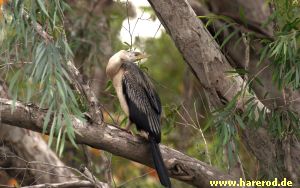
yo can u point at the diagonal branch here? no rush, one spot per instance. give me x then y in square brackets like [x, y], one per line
[32, 159]
[203, 55]
[77, 79]
[118, 142]
[198, 48]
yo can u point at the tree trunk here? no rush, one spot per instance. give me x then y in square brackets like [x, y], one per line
[208, 64]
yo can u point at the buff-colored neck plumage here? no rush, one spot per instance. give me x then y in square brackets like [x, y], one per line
[114, 65]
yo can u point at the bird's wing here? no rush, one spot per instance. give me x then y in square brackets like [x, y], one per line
[143, 102]
[151, 93]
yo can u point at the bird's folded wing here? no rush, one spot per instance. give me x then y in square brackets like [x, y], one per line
[143, 102]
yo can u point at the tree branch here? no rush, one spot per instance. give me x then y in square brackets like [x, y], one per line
[118, 142]
[70, 184]
[262, 144]
[96, 183]
[27, 146]
[39, 164]
[199, 50]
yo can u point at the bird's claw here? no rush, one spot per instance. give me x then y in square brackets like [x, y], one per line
[127, 130]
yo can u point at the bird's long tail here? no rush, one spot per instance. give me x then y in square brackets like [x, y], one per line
[159, 164]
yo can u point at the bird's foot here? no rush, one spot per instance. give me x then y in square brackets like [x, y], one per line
[128, 125]
[127, 130]
[124, 129]
[144, 134]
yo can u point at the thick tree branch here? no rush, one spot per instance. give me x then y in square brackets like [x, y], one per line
[118, 142]
[198, 48]
[26, 153]
[26, 146]
[209, 65]
[266, 148]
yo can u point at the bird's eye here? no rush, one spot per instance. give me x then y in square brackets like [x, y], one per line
[136, 53]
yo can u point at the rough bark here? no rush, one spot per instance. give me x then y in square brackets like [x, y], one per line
[26, 146]
[21, 146]
[274, 152]
[118, 142]
[93, 51]
[198, 48]
[256, 12]
[26, 156]
[208, 64]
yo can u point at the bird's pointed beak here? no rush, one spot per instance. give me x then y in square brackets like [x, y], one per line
[141, 56]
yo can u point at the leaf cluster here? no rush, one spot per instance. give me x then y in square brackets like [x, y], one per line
[283, 50]
[34, 34]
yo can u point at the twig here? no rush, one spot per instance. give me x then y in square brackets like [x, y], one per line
[41, 175]
[33, 169]
[129, 30]
[247, 59]
[202, 135]
[157, 30]
[42, 33]
[84, 88]
[95, 181]
[7, 186]
[128, 181]
[87, 177]
[139, 18]
[247, 53]
[70, 184]
[87, 156]
[195, 126]
[107, 171]
[238, 160]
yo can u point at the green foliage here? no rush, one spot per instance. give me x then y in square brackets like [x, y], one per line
[284, 49]
[283, 52]
[169, 119]
[228, 120]
[211, 18]
[286, 12]
[163, 67]
[116, 15]
[282, 121]
[43, 79]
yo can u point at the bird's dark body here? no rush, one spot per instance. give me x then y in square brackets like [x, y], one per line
[142, 100]
[144, 110]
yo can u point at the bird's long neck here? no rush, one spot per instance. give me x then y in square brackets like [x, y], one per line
[113, 66]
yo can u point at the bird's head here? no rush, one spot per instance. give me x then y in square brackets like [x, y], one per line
[129, 56]
[121, 57]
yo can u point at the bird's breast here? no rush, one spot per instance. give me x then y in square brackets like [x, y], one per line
[117, 82]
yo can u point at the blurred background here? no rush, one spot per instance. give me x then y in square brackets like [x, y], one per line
[95, 30]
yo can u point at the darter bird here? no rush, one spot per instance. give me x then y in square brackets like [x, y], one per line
[139, 101]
